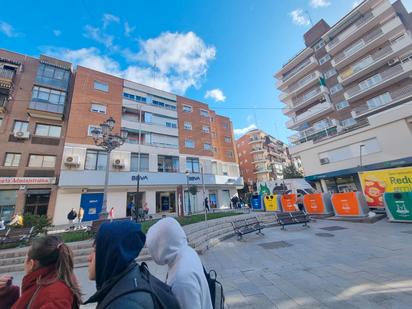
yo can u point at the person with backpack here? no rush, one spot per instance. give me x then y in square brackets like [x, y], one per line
[49, 281]
[71, 216]
[120, 281]
[167, 244]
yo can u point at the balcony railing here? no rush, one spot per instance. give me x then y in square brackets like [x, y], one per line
[6, 74]
[396, 96]
[47, 107]
[305, 98]
[304, 81]
[330, 128]
[55, 83]
[286, 77]
[310, 113]
[381, 78]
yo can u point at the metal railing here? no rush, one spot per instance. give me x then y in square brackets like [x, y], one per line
[6, 74]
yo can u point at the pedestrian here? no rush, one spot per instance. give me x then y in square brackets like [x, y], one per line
[112, 265]
[71, 216]
[207, 203]
[129, 209]
[235, 201]
[49, 281]
[2, 225]
[80, 215]
[16, 220]
[111, 213]
[167, 244]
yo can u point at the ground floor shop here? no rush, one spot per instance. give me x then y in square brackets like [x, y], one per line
[27, 195]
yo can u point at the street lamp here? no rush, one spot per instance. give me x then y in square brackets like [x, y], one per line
[188, 191]
[360, 154]
[104, 138]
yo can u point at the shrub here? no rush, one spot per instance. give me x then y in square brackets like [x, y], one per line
[40, 223]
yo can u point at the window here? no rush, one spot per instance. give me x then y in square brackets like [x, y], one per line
[42, 161]
[214, 134]
[348, 122]
[225, 125]
[98, 108]
[20, 126]
[171, 125]
[133, 97]
[187, 125]
[341, 105]
[207, 147]
[101, 86]
[353, 48]
[335, 88]
[204, 113]
[324, 59]
[148, 117]
[228, 139]
[42, 94]
[380, 100]
[189, 143]
[144, 162]
[214, 149]
[95, 160]
[370, 82]
[206, 129]
[158, 103]
[192, 165]
[91, 128]
[168, 164]
[12, 159]
[187, 108]
[319, 45]
[48, 130]
[52, 72]
[362, 64]
[330, 73]
[229, 153]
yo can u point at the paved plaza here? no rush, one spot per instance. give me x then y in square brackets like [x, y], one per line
[329, 265]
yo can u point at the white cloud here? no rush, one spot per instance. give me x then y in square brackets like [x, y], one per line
[215, 94]
[239, 132]
[108, 19]
[319, 3]
[171, 62]
[8, 30]
[299, 18]
[128, 29]
[57, 32]
[99, 36]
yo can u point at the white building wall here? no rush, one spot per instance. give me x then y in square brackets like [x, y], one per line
[117, 200]
[64, 203]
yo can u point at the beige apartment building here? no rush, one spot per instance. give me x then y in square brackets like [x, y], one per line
[261, 157]
[348, 95]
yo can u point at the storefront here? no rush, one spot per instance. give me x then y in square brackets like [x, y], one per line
[7, 204]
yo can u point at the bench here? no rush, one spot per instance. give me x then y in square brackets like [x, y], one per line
[246, 226]
[289, 218]
[18, 235]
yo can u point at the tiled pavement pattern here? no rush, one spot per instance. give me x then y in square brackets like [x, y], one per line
[362, 266]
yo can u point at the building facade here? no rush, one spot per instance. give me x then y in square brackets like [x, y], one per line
[261, 157]
[348, 94]
[34, 105]
[160, 149]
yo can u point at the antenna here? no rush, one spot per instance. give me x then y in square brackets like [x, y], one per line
[310, 18]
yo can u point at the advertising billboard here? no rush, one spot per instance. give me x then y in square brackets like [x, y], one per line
[376, 183]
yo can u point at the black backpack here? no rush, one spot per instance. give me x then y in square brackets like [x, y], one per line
[161, 293]
[216, 289]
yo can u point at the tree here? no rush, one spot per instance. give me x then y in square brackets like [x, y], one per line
[290, 171]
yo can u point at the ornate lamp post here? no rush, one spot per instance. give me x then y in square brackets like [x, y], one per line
[108, 141]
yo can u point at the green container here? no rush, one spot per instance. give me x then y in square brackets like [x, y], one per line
[398, 206]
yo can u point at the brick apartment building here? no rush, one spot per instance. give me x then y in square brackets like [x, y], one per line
[158, 136]
[348, 95]
[261, 157]
[34, 97]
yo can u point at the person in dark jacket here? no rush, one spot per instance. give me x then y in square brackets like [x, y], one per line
[49, 281]
[72, 215]
[112, 265]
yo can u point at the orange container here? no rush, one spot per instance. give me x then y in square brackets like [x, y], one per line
[314, 203]
[289, 202]
[350, 204]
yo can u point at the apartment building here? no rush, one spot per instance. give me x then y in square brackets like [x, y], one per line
[348, 95]
[34, 97]
[261, 157]
[157, 149]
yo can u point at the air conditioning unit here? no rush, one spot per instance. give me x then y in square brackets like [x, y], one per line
[22, 134]
[324, 161]
[118, 163]
[393, 61]
[72, 161]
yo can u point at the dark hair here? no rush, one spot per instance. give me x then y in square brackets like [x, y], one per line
[50, 250]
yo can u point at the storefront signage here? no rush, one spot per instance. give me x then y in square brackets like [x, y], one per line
[27, 180]
[194, 178]
[141, 178]
[376, 183]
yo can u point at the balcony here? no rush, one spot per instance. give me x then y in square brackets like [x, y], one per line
[370, 41]
[329, 128]
[6, 78]
[3, 104]
[393, 98]
[149, 127]
[312, 96]
[312, 113]
[258, 160]
[257, 150]
[60, 84]
[375, 60]
[295, 74]
[261, 171]
[359, 27]
[379, 81]
[256, 140]
[301, 85]
[45, 110]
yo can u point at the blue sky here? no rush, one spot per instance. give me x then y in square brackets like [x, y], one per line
[222, 52]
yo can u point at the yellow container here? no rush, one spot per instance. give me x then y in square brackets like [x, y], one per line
[271, 202]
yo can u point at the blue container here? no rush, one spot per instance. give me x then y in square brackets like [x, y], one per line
[256, 202]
